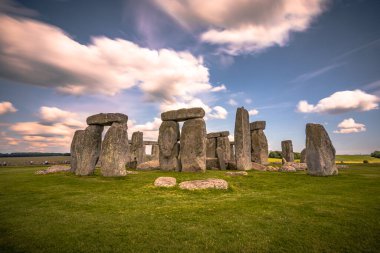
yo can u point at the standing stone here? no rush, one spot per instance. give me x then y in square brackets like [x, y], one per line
[76, 148]
[155, 152]
[221, 154]
[115, 151]
[242, 140]
[211, 147]
[320, 153]
[287, 150]
[137, 148]
[303, 156]
[224, 144]
[91, 146]
[193, 145]
[259, 147]
[168, 144]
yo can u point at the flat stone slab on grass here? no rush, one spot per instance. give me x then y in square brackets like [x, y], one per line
[183, 114]
[165, 182]
[53, 169]
[150, 165]
[237, 173]
[211, 183]
[106, 119]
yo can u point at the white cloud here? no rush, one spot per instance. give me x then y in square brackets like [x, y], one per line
[241, 26]
[350, 126]
[248, 101]
[149, 129]
[340, 102]
[6, 107]
[218, 112]
[219, 88]
[232, 102]
[253, 112]
[55, 115]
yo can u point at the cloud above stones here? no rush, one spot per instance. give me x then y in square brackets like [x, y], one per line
[341, 102]
[253, 112]
[6, 107]
[244, 26]
[348, 126]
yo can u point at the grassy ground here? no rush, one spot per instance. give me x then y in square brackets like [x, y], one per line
[24, 161]
[262, 212]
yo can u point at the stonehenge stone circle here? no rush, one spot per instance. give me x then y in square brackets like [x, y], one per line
[183, 114]
[287, 150]
[76, 148]
[320, 153]
[168, 144]
[137, 152]
[106, 119]
[91, 142]
[193, 145]
[115, 150]
[259, 142]
[242, 140]
[215, 141]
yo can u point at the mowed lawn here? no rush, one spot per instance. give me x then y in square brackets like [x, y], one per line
[261, 212]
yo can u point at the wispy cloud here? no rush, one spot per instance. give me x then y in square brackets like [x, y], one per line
[315, 73]
[7, 107]
[357, 49]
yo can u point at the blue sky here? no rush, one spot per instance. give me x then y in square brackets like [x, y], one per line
[288, 62]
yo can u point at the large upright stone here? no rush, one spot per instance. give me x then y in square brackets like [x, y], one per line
[155, 152]
[303, 156]
[114, 151]
[183, 114]
[224, 144]
[193, 145]
[76, 148]
[137, 148]
[287, 150]
[211, 147]
[320, 153]
[169, 147]
[242, 140]
[90, 151]
[259, 147]
[106, 119]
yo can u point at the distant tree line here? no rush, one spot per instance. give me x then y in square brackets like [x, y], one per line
[32, 154]
[376, 154]
[277, 154]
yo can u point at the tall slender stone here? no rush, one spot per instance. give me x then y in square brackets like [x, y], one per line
[224, 144]
[259, 147]
[155, 152]
[242, 140]
[168, 144]
[303, 156]
[115, 151]
[137, 148]
[211, 147]
[193, 145]
[320, 153]
[76, 148]
[91, 146]
[287, 150]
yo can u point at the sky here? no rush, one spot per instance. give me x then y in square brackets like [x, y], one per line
[288, 62]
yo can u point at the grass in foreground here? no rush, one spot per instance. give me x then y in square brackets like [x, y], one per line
[262, 212]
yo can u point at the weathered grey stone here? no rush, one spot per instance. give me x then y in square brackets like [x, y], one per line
[295, 165]
[224, 144]
[257, 166]
[115, 151]
[259, 147]
[320, 153]
[287, 150]
[183, 114]
[221, 161]
[106, 119]
[287, 168]
[155, 152]
[257, 125]
[232, 151]
[236, 173]
[91, 142]
[242, 140]
[272, 168]
[137, 148]
[76, 148]
[53, 169]
[212, 163]
[210, 183]
[150, 143]
[193, 146]
[218, 134]
[168, 144]
[150, 165]
[211, 147]
[303, 156]
[165, 182]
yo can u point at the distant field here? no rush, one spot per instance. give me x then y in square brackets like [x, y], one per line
[344, 158]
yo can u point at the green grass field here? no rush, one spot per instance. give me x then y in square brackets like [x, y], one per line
[262, 212]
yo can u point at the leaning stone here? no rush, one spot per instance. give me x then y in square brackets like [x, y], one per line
[183, 114]
[303, 156]
[287, 150]
[259, 145]
[193, 146]
[211, 147]
[76, 149]
[257, 125]
[259, 167]
[242, 140]
[204, 184]
[237, 173]
[90, 151]
[165, 182]
[150, 165]
[114, 155]
[168, 144]
[106, 119]
[212, 163]
[53, 169]
[218, 134]
[320, 153]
